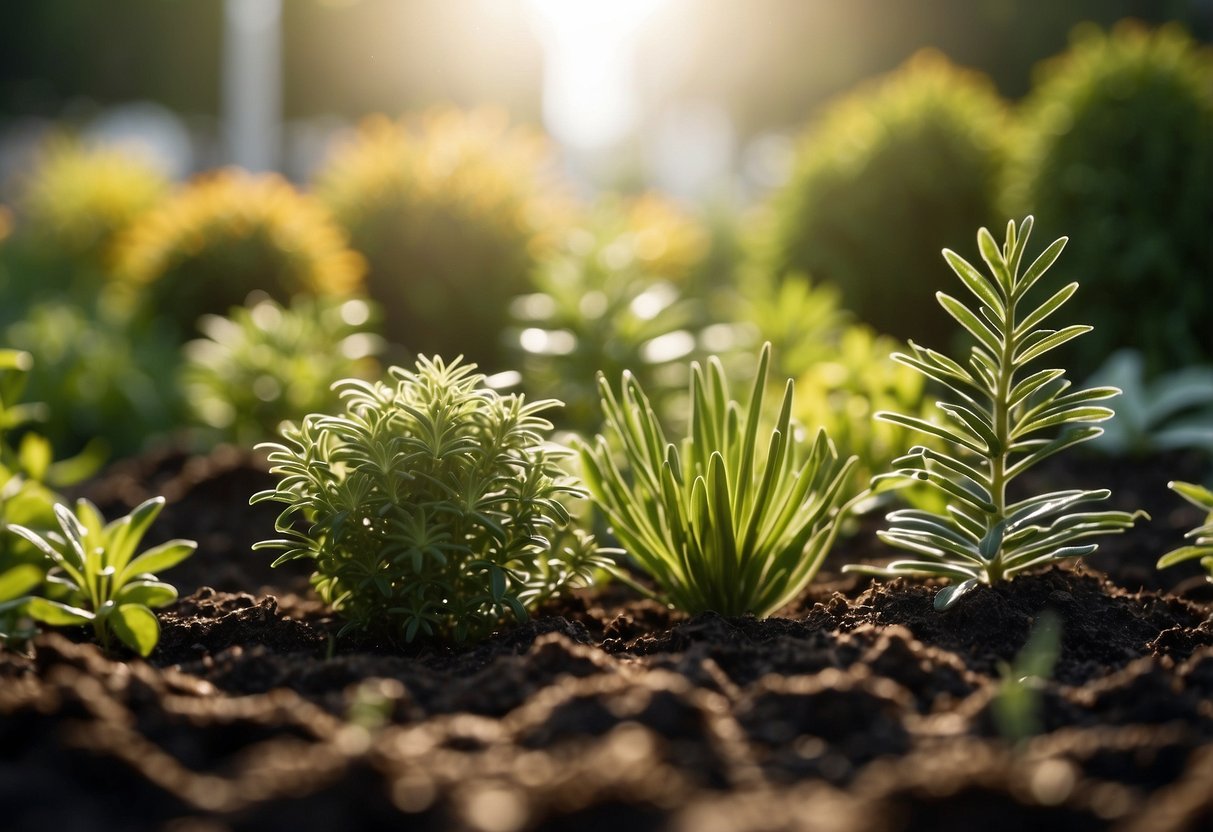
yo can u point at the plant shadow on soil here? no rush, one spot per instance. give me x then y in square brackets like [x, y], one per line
[858, 708]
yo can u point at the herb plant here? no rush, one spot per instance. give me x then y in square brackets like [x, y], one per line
[721, 523]
[1202, 546]
[996, 427]
[97, 578]
[431, 505]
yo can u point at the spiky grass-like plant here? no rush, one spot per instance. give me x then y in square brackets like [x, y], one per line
[720, 523]
[996, 425]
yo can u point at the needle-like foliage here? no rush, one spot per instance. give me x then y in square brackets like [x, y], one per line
[1000, 420]
[722, 522]
[430, 505]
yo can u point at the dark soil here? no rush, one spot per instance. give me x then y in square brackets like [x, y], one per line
[860, 708]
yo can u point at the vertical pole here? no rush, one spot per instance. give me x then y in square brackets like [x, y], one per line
[252, 83]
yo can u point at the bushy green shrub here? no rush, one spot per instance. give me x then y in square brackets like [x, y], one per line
[100, 373]
[611, 297]
[265, 363]
[450, 211]
[226, 235]
[1116, 147]
[882, 181]
[431, 505]
[79, 199]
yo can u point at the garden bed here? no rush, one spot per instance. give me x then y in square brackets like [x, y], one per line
[858, 708]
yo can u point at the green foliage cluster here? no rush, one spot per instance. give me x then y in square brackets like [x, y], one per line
[226, 235]
[1116, 148]
[721, 522]
[431, 505]
[611, 296]
[1201, 547]
[996, 426]
[96, 577]
[918, 157]
[265, 363]
[100, 372]
[78, 200]
[843, 393]
[29, 474]
[450, 211]
[843, 370]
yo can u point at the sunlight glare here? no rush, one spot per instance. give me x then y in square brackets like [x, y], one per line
[589, 96]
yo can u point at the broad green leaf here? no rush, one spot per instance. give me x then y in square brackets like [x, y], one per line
[1195, 494]
[1045, 309]
[965, 317]
[153, 594]
[1184, 553]
[55, 613]
[976, 282]
[137, 627]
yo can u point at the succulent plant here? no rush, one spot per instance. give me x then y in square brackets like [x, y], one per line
[98, 577]
[1201, 547]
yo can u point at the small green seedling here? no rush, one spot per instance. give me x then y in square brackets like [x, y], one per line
[999, 422]
[1016, 708]
[97, 578]
[723, 522]
[1202, 546]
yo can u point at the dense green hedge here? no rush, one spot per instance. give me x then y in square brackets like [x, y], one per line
[1115, 149]
[886, 178]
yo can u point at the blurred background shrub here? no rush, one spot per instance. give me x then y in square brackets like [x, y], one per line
[79, 198]
[611, 295]
[226, 235]
[1171, 411]
[1116, 151]
[101, 375]
[884, 179]
[451, 210]
[264, 363]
